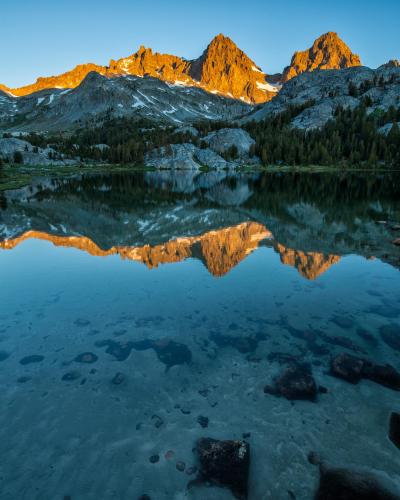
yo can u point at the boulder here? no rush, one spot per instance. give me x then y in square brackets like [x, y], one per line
[297, 383]
[222, 140]
[225, 463]
[384, 375]
[185, 157]
[343, 484]
[347, 367]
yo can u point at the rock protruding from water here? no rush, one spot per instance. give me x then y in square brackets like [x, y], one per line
[394, 429]
[225, 463]
[346, 484]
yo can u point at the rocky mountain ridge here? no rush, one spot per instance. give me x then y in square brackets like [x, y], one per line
[327, 52]
[222, 68]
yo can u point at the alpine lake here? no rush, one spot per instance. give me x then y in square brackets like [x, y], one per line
[141, 312]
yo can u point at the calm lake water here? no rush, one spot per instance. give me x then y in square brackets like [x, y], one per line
[141, 312]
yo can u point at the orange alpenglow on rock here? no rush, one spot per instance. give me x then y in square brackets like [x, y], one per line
[328, 52]
[222, 69]
[220, 250]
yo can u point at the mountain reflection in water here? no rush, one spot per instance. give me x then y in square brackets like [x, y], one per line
[219, 218]
[268, 294]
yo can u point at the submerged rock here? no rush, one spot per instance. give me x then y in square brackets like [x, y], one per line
[203, 421]
[225, 463]
[384, 375]
[391, 335]
[70, 376]
[394, 429]
[296, 383]
[34, 358]
[347, 367]
[342, 484]
[353, 369]
[86, 357]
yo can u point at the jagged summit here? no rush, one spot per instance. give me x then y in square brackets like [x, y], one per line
[223, 68]
[327, 52]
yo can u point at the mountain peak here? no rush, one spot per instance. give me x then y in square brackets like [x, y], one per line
[327, 52]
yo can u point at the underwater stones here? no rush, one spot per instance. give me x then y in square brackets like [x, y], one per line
[203, 421]
[4, 355]
[365, 335]
[342, 321]
[396, 242]
[191, 470]
[180, 466]
[169, 455]
[120, 350]
[86, 357]
[243, 344]
[154, 459]
[347, 367]
[81, 322]
[353, 369]
[384, 375]
[34, 358]
[225, 463]
[296, 383]
[394, 429]
[390, 334]
[172, 353]
[118, 378]
[346, 484]
[341, 342]
[71, 376]
[157, 421]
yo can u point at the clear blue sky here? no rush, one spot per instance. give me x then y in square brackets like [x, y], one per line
[46, 37]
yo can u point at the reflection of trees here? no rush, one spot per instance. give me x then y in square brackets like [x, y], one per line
[340, 196]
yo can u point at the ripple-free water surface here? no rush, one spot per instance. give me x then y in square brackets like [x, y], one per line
[139, 303]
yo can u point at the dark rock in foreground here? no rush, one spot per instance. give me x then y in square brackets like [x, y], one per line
[225, 463]
[295, 383]
[394, 429]
[342, 484]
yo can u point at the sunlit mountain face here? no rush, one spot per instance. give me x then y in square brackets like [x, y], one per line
[142, 313]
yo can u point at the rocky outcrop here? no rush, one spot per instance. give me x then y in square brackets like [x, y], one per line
[29, 154]
[223, 68]
[227, 69]
[225, 463]
[190, 157]
[224, 139]
[98, 97]
[327, 52]
[322, 92]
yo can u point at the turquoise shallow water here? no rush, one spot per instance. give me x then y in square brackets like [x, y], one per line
[210, 289]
